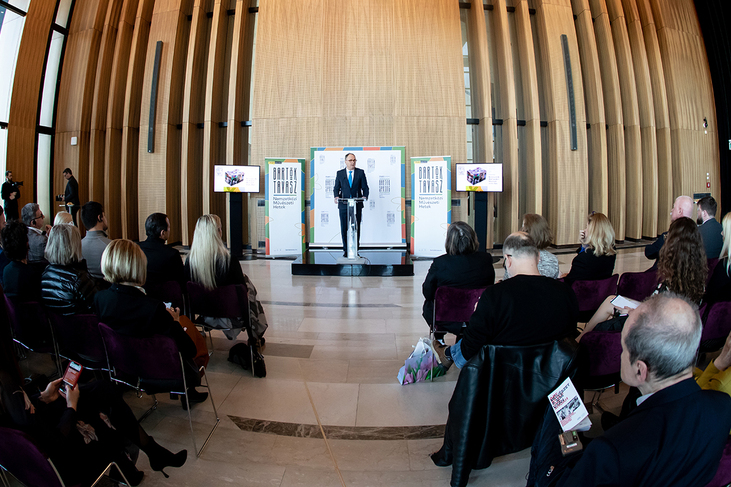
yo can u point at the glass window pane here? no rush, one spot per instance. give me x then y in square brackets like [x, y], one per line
[463, 15]
[11, 31]
[21, 4]
[43, 181]
[3, 151]
[48, 95]
[62, 16]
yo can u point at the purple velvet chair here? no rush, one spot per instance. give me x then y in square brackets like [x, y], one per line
[603, 351]
[716, 326]
[454, 304]
[20, 456]
[723, 474]
[31, 328]
[637, 285]
[169, 292]
[591, 294]
[230, 302]
[79, 340]
[151, 365]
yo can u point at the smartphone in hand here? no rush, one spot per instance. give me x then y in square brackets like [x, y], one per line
[73, 372]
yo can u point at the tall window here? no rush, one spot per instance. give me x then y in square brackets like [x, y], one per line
[12, 21]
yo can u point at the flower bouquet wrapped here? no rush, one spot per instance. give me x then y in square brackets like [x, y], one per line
[421, 365]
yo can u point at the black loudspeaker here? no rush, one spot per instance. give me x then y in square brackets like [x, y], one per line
[153, 98]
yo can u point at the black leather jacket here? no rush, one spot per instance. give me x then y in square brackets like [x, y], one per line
[67, 290]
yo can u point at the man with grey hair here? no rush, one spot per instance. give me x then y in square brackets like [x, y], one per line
[32, 216]
[527, 309]
[683, 206]
[677, 432]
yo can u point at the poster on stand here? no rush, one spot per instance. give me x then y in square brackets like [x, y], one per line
[431, 204]
[383, 223]
[285, 206]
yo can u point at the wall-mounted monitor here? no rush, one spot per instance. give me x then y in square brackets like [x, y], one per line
[236, 179]
[479, 177]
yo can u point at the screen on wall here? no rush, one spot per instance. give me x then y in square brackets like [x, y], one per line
[479, 177]
[236, 179]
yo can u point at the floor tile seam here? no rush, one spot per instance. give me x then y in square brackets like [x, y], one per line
[324, 436]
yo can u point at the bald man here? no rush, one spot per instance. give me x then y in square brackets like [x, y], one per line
[683, 206]
[677, 432]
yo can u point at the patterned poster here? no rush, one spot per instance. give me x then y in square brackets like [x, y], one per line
[431, 204]
[285, 206]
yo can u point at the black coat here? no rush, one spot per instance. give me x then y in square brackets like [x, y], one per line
[469, 271]
[129, 311]
[233, 275]
[68, 290]
[23, 281]
[588, 267]
[163, 263]
[71, 195]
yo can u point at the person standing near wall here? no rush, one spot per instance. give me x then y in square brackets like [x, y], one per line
[71, 196]
[11, 195]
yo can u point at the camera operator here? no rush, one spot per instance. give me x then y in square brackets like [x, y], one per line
[10, 196]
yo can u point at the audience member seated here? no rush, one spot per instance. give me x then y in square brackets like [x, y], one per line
[683, 207]
[677, 432]
[537, 227]
[4, 260]
[63, 218]
[163, 262]
[126, 308]
[709, 226]
[596, 255]
[81, 429]
[32, 216]
[717, 376]
[95, 241]
[719, 285]
[21, 279]
[66, 286]
[210, 265]
[682, 268]
[527, 309]
[461, 267]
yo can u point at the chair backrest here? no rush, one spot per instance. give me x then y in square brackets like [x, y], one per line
[591, 294]
[717, 322]
[454, 304]
[20, 456]
[604, 351]
[153, 362]
[30, 325]
[637, 285]
[79, 339]
[223, 302]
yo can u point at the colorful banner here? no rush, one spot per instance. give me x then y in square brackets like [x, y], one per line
[431, 204]
[384, 222]
[285, 206]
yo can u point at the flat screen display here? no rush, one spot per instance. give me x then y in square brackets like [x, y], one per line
[236, 179]
[479, 177]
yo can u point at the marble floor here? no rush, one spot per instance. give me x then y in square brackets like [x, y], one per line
[330, 411]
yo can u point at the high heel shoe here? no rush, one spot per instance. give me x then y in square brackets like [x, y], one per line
[160, 457]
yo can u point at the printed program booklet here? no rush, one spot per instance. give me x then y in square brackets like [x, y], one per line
[569, 408]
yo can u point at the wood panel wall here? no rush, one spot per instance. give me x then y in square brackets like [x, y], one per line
[375, 72]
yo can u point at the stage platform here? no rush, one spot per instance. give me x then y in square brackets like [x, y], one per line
[376, 262]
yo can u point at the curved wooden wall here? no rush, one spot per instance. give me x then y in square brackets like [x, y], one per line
[376, 72]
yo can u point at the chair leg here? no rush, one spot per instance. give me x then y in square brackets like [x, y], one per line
[190, 418]
[215, 412]
[149, 411]
[109, 467]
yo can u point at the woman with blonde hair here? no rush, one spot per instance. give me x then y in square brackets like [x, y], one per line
[126, 308]
[719, 285]
[210, 264]
[67, 288]
[62, 218]
[596, 255]
[537, 228]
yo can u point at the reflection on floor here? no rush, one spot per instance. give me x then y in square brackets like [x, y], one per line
[330, 411]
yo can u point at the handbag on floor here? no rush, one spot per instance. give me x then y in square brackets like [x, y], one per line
[421, 365]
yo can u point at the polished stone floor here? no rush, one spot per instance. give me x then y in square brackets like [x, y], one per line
[330, 411]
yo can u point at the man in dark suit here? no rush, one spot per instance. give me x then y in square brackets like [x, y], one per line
[350, 183]
[676, 434]
[71, 195]
[709, 227]
[163, 262]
